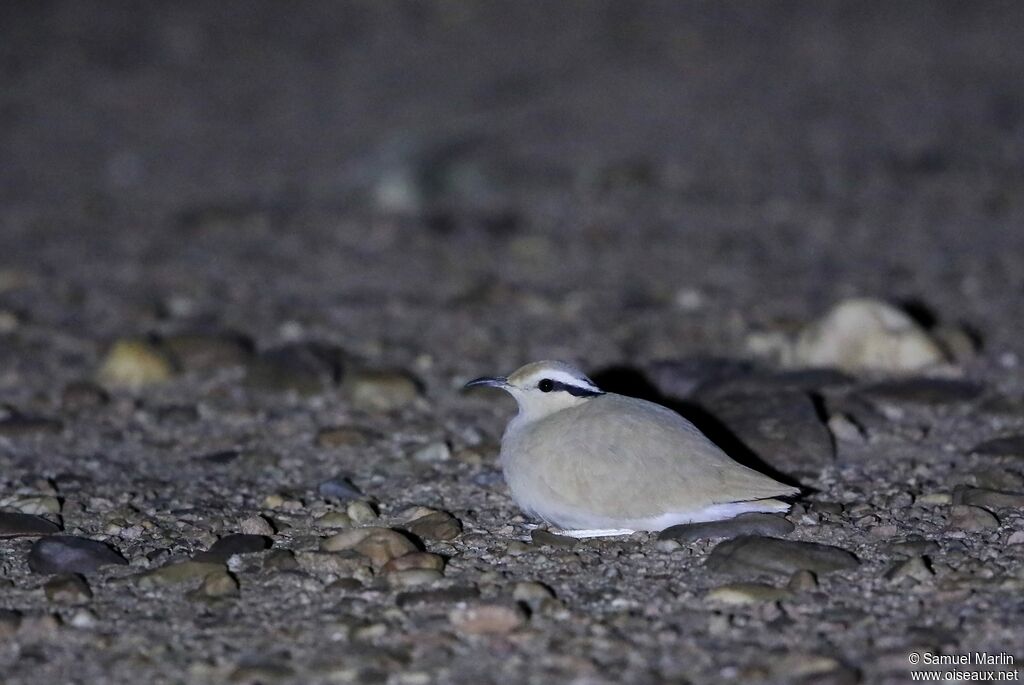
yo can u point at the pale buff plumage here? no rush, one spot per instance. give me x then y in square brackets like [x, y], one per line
[601, 463]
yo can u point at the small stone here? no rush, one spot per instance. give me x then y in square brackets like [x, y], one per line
[343, 436]
[1006, 446]
[968, 518]
[334, 519]
[16, 525]
[744, 524]
[755, 554]
[381, 391]
[202, 353]
[9, 623]
[69, 588]
[435, 526]
[448, 595]
[83, 619]
[230, 545]
[861, 334]
[339, 489]
[302, 368]
[414, 560]
[802, 581]
[35, 504]
[280, 560]
[257, 525]
[379, 545]
[81, 396]
[134, 364]
[990, 499]
[333, 564]
[432, 453]
[38, 626]
[361, 512]
[219, 584]
[845, 429]
[178, 572]
[916, 568]
[914, 546]
[935, 499]
[487, 619]
[747, 593]
[1016, 538]
[70, 554]
[532, 594]
[413, 577]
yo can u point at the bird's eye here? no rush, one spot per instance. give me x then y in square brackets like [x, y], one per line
[546, 385]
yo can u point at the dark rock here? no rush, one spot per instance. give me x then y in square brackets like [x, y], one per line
[543, 537]
[971, 518]
[1006, 446]
[436, 526]
[992, 499]
[448, 595]
[305, 368]
[782, 428]
[20, 426]
[914, 546]
[280, 560]
[229, 545]
[744, 524]
[680, 378]
[203, 353]
[754, 554]
[923, 391]
[340, 489]
[13, 525]
[70, 588]
[70, 554]
[82, 395]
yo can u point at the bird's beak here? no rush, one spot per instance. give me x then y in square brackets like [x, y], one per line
[490, 381]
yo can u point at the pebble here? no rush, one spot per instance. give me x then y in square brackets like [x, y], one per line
[781, 427]
[747, 593]
[339, 489]
[916, 568]
[802, 581]
[379, 545]
[334, 519]
[80, 396]
[1016, 538]
[280, 560]
[448, 595]
[744, 524]
[437, 525]
[17, 525]
[862, 334]
[201, 352]
[433, 453]
[990, 499]
[413, 577]
[84, 619]
[303, 368]
[845, 429]
[545, 538]
[70, 554]
[230, 545]
[33, 504]
[220, 583]
[257, 525]
[333, 564]
[1006, 446]
[134, 364]
[922, 391]
[69, 588]
[414, 560]
[487, 619]
[755, 554]
[381, 391]
[10, 621]
[344, 436]
[361, 512]
[178, 572]
[970, 518]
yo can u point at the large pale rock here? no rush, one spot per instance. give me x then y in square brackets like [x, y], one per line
[866, 335]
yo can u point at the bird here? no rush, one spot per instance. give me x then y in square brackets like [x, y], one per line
[597, 464]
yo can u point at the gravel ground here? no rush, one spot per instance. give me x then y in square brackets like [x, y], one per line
[251, 252]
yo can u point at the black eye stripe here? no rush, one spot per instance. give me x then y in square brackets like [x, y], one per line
[574, 390]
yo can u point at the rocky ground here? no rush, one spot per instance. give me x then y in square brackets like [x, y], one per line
[251, 252]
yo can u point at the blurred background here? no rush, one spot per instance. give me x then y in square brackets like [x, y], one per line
[487, 183]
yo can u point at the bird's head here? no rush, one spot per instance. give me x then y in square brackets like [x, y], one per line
[543, 388]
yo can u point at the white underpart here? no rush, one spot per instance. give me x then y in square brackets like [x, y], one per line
[716, 512]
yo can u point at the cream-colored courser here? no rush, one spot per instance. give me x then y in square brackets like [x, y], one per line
[595, 463]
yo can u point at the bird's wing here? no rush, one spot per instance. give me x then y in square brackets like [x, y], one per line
[642, 459]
